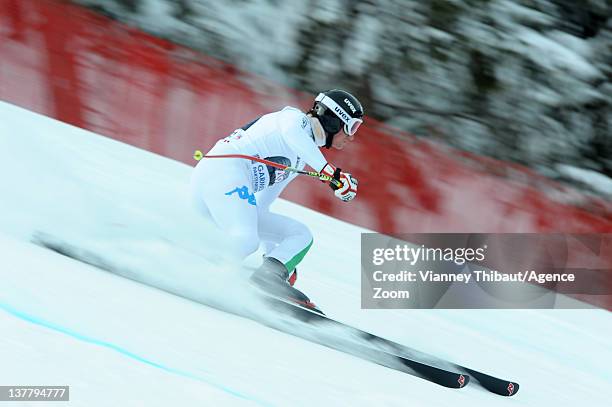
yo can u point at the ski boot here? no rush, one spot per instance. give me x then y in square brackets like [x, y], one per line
[273, 278]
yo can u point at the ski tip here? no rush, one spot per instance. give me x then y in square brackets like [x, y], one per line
[512, 389]
[493, 384]
[463, 380]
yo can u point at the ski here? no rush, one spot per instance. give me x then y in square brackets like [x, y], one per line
[490, 383]
[420, 364]
[362, 348]
[493, 384]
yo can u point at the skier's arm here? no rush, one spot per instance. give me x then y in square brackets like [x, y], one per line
[296, 132]
[298, 135]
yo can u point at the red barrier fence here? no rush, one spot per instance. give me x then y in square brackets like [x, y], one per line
[69, 63]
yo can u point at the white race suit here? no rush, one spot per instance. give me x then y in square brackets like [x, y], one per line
[236, 193]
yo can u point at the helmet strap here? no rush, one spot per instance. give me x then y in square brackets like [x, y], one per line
[329, 139]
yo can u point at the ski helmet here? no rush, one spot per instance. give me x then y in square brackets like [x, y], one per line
[335, 108]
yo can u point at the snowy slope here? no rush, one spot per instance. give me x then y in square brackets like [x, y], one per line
[118, 342]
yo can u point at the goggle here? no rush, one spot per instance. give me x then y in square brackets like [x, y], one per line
[351, 124]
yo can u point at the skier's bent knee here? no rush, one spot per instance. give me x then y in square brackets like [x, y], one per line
[245, 245]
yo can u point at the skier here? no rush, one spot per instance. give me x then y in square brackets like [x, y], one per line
[237, 193]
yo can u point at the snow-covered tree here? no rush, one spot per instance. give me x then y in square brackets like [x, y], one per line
[525, 80]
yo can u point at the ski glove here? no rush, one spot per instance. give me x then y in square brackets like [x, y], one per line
[348, 191]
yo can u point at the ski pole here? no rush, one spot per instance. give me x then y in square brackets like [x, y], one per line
[197, 155]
